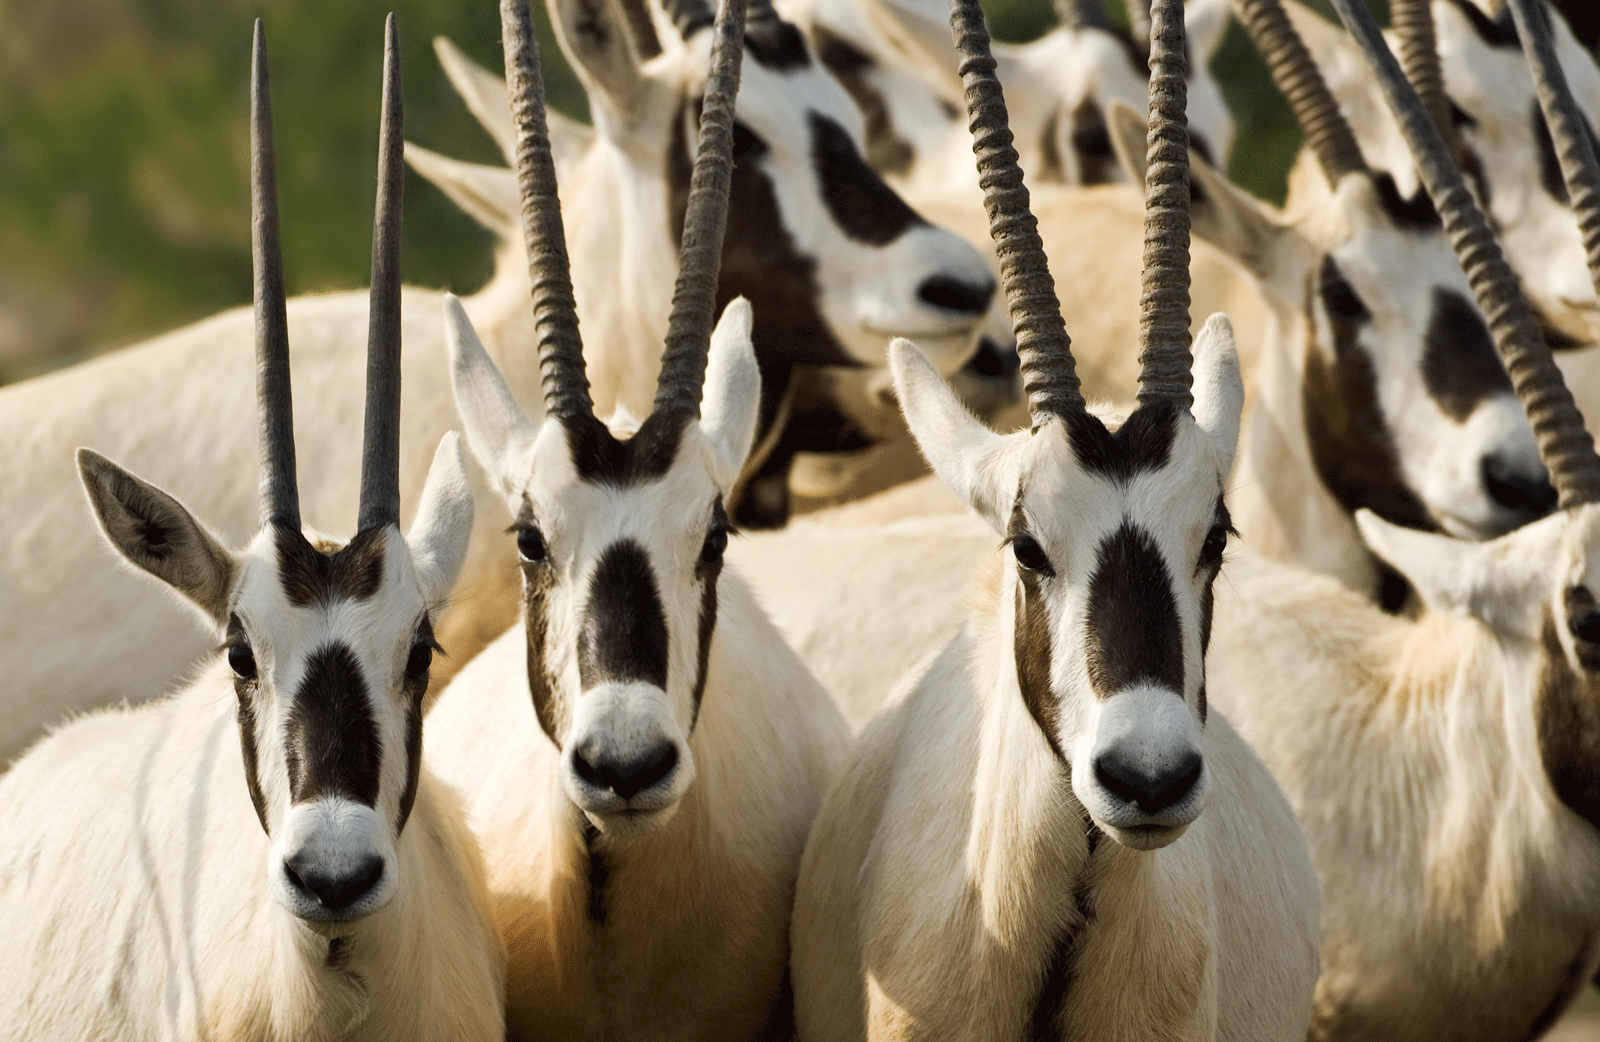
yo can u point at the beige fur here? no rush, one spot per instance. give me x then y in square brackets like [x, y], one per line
[697, 912]
[159, 926]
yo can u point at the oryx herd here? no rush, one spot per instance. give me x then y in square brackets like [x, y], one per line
[1247, 692]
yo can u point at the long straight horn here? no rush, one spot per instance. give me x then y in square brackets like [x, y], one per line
[280, 497]
[1419, 57]
[1164, 358]
[694, 298]
[380, 455]
[1083, 14]
[1297, 78]
[1048, 373]
[555, 313]
[1565, 445]
[1568, 130]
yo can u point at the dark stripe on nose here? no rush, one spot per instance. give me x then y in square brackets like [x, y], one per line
[624, 633]
[1132, 618]
[866, 209]
[332, 740]
[1459, 365]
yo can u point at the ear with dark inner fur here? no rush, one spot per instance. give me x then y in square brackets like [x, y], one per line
[154, 531]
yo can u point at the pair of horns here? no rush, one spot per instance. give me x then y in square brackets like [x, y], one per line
[1564, 443]
[683, 365]
[380, 457]
[1049, 375]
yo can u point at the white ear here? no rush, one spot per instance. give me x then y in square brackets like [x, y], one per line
[967, 456]
[1218, 387]
[498, 431]
[487, 193]
[443, 525]
[1444, 571]
[154, 532]
[731, 401]
[484, 93]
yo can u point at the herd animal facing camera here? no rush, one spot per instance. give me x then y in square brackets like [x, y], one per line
[1148, 785]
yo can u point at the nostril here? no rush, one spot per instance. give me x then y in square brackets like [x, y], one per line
[1151, 789]
[992, 360]
[626, 777]
[334, 891]
[942, 291]
[1518, 489]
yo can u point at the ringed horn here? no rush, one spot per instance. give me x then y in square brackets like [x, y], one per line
[688, 340]
[1564, 443]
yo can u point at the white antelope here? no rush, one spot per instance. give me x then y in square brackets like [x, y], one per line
[263, 856]
[1017, 847]
[121, 640]
[1443, 767]
[642, 756]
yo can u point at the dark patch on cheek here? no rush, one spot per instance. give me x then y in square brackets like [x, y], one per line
[1569, 728]
[1031, 646]
[332, 744]
[246, 690]
[413, 690]
[624, 633]
[537, 581]
[864, 207]
[1459, 365]
[1346, 429]
[1091, 142]
[311, 575]
[887, 151]
[1131, 622]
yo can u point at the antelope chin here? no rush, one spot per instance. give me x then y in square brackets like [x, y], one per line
[629, 823]
[1144, 837]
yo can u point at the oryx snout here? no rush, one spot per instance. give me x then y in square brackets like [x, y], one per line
[627, 762]
[1144, 778]
[335, 863]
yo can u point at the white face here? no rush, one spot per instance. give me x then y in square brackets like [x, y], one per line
[329, 647]
[1487, 77]
[1115, 539]
[1409, 410]
[620, 535]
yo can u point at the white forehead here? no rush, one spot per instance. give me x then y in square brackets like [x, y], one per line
[1072, 508]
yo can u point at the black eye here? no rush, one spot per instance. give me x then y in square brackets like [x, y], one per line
[715, 545]
[1030, 555]
[747, 144]
[530, 544]
[1216, 542]
[421, 658]
[1339, 297]
[242, 660]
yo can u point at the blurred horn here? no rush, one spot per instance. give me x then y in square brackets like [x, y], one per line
[1164, 357]
[1569, 131]
[555, 313]
[694, 298]
[1564, 443]
[1049, 375]
[280, 497]
[1327, 134]
[380, 455]
[1419, 56]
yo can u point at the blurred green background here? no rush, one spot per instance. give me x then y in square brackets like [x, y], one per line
[123, 154]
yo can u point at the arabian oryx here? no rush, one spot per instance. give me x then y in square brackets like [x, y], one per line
[1443, 768]
[263, 855]
[641, 758]
[808, 250]
[1048, 836]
